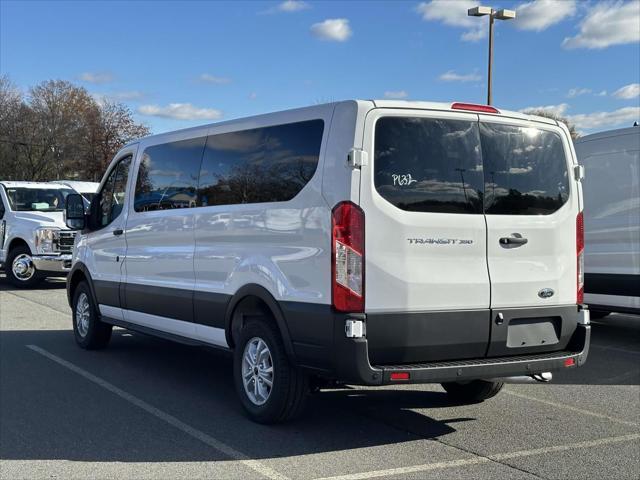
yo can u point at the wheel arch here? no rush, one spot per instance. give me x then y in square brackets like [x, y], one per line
[78, 273]
[16, 242]
[251, 297]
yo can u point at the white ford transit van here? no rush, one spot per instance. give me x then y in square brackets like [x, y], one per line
[612, 220]
[363, 242]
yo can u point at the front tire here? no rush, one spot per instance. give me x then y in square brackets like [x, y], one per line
[20, 270]
[475, 391]
[90, 332]
[271, 390]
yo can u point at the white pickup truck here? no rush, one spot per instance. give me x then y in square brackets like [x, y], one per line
[34, 240]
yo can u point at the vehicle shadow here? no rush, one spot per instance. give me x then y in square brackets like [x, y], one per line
[49, 283]
[49, 411]
[614, 354]
[52, 412]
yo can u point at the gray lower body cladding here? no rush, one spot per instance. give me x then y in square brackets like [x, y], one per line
[432, 346]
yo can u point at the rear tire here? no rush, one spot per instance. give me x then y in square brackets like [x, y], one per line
[259, 359]
[90, 332]
[475, 391]
[20, 270]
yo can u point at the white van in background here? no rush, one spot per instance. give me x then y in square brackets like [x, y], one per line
[364, 242]
[612, 220]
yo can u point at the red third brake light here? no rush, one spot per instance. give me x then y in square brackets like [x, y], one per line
[347, 265]
[472, 107]
[580, 258]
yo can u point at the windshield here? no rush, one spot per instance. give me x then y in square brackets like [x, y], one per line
[37, 199]
[460, 166]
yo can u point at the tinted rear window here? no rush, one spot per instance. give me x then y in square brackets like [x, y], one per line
[525, 170]
[456, 166]
[429, 165]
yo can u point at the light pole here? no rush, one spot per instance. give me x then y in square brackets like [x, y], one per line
[502, 14]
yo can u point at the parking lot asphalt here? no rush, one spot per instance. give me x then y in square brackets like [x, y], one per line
[148, 408]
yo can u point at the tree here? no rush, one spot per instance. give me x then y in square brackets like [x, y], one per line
[60, 131]
[109, 131]
[554, 116]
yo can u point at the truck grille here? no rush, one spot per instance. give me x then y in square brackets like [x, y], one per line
[65, 243]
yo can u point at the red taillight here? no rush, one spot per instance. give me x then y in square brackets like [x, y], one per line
[569, 362]
[472, 107]
[400, 376]
[347, 265]
[580, 258]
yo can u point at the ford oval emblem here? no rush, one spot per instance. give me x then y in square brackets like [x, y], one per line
[546, 293]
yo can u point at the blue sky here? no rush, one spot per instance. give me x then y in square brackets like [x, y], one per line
[178, 64]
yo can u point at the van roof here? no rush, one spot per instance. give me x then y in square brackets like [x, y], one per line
[20, 184]
[409, 104]
[609, 133]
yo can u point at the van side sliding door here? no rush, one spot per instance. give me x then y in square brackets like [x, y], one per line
[160, 236]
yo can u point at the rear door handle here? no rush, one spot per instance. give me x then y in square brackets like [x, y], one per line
[513, 240]
[118, 231]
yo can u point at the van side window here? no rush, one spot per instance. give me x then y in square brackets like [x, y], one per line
[112, 196]
[429, 165]
[168, 175]
[1, 208]
[270, 164]
[525, 170]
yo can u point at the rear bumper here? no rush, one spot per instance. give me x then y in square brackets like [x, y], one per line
[352, 363]
[53, 263]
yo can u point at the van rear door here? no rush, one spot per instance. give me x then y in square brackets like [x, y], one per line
[426, 278]
[531, 205]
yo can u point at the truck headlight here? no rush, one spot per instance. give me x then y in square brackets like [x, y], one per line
[47, 240]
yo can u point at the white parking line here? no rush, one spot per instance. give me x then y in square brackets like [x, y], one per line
[565, 406]
[231, 452]
[479, 460]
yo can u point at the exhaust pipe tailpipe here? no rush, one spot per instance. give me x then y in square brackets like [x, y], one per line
[535, 378]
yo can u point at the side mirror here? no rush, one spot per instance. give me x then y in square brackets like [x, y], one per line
[74, 212]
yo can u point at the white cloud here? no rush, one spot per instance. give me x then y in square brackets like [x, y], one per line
[332, 29]
[475, 35]
[602, 120]
[576, 92]
[595, 120]
[132, 95]
[208, 78]
[292, 6]
[398, 94]
[608, 23]
[180, 111]
[603, 93]
[539, 15]
[454, 14]
[129, 95]
[559, 109]
[286, 6]
[96, 77]
[628, 91]
[452, 76]
[253, 96]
